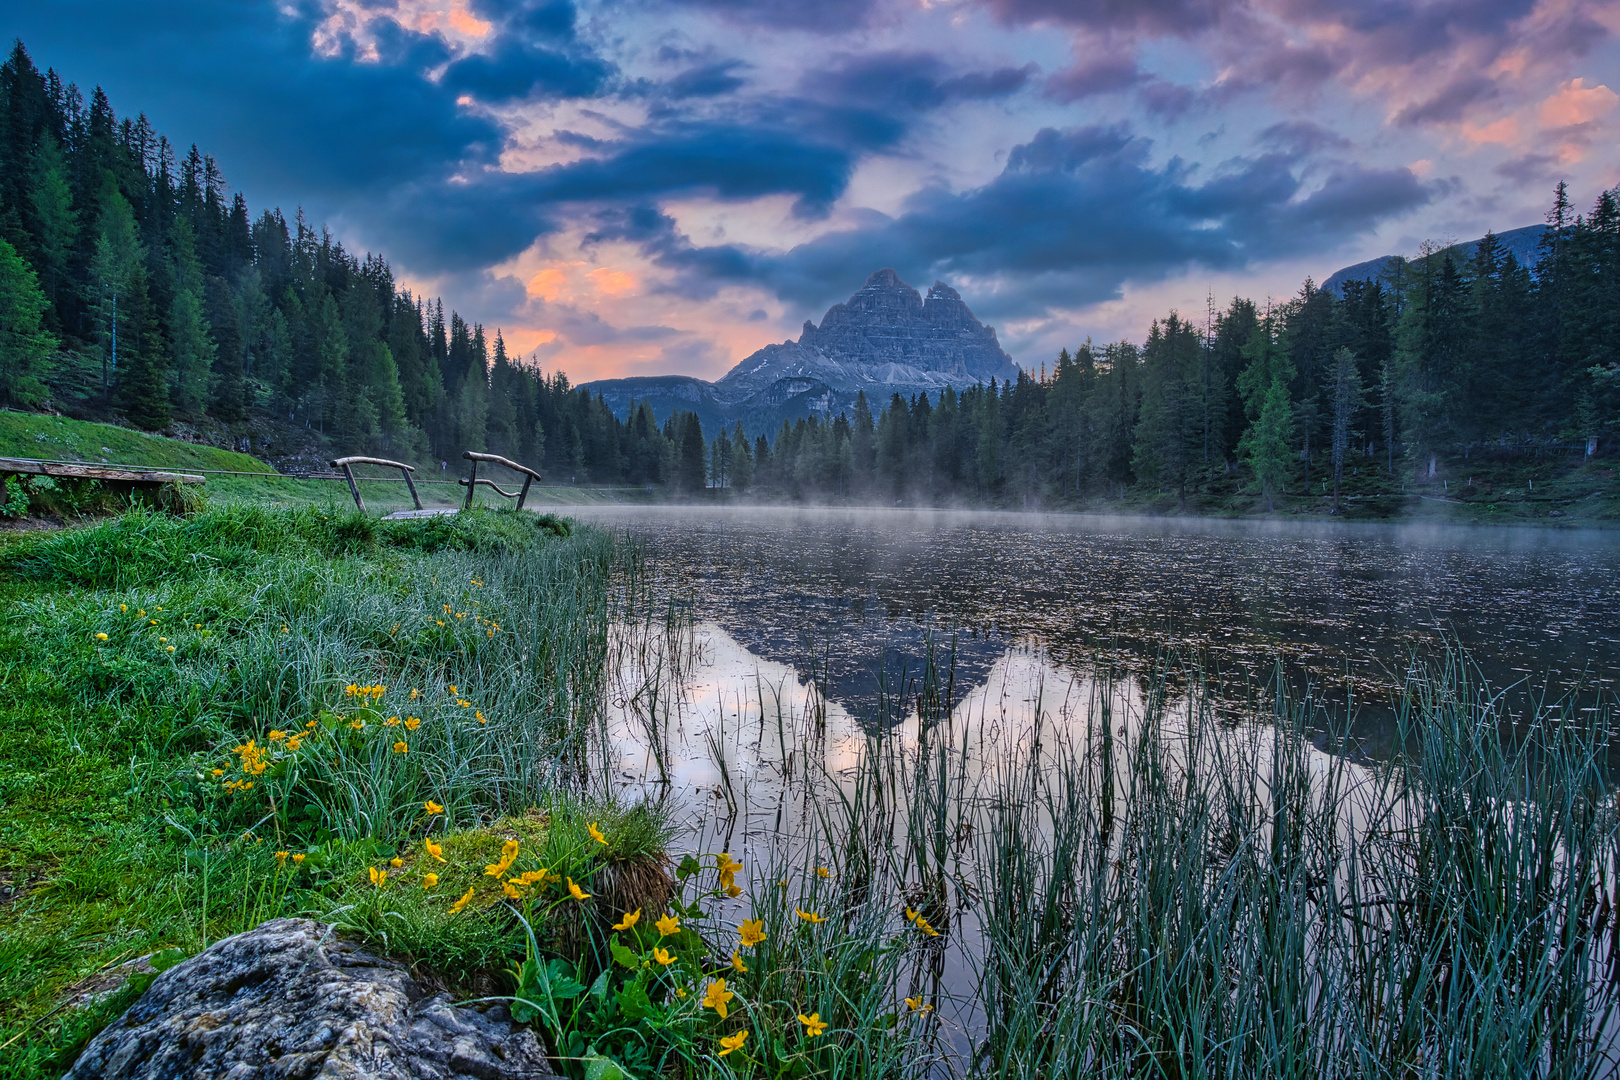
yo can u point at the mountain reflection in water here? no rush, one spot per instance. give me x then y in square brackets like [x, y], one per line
[850, 595]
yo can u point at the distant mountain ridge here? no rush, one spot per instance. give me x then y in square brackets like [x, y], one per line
[885, 339]
[1525, 244]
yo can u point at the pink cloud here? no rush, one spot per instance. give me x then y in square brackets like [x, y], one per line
[1576, 104]
[1505, 130]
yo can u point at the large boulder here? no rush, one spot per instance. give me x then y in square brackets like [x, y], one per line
[289, 1001]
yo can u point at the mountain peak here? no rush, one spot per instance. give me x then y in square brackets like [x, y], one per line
[885, 278]
[885, 339]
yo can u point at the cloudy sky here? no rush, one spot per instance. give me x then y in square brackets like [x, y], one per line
[643, 187]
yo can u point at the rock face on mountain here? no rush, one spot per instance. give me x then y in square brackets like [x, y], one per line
[1525, 245]
[885, 339]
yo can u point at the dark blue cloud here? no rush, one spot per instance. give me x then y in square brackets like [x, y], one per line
[731, 161]
[1142, 16]
[822, 17]
[1301, 138]
[1102, 75]
[707, 80]
[1080, 211]
[1449, 103]
[913, 81]
[520, 69]
[241, 81]
[535, 51]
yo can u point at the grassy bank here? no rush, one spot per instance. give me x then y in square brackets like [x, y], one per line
[246, 713]
[142, 654]
[216, 719]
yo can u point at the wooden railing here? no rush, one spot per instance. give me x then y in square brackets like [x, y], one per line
[405, 470]
[473, 482]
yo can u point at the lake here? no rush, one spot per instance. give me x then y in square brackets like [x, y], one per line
[809, 630]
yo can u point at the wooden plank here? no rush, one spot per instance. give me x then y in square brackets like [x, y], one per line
[95, 472]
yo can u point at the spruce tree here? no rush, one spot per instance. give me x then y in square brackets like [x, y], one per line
[25, 345]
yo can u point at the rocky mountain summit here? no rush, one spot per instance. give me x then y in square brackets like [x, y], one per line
[885, 339]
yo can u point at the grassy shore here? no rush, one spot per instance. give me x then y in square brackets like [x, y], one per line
[249, 712]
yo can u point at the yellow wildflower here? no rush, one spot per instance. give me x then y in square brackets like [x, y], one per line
[219, 772]
[716, 996]
[576, 892]
[432, 807]
[392, 721]
[737, 964]
[295, 742]
[284, 629]
[733, 1042]
[433, 849]
[509, 854]
[809, 916]
[379, 878]
[813, 1024]
[459, 904]
[511, 890]
[680, 991]
[310, 724]
[823, 872]
[298, 858]
[480, 715]
[163, 641]
[753, 932]
[912, 915]
[141, 612]
[453, 689]
[663, 957]
[123, 607]
[596, 834]
[152, 621]
[415, 694]
[429, 880]
[630, 919]
[358, 725]
[667, 925]
[922, 924]
[101, 637]
[281, 858]
[733, 891]
[413, 723]
[396, 862]
[171, 648]
[400, 748]
[277, 735]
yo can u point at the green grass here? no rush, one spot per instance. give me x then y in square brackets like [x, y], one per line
[57, 438]
[250, 712]
[116, 836]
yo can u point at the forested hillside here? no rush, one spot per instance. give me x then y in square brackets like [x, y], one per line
[135, 285]
[1440, 371]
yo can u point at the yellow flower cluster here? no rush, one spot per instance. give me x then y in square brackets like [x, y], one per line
[365, 694]
[916, 919]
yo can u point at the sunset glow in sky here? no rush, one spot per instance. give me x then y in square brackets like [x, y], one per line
[646, 188]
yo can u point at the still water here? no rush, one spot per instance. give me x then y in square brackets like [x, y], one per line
[809, 629]
[1336, 605]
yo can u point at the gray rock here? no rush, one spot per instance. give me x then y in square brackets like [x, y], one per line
[290, 1001]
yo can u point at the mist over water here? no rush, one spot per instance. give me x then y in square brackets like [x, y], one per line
[852, 593]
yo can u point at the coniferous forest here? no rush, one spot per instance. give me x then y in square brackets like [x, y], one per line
[135, 285]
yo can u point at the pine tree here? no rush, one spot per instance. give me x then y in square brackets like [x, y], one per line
[1344, 390]
[25, 345]
[1266, 445]
[143, 377]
